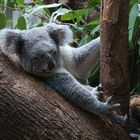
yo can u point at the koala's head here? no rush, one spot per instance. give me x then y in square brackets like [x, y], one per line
[38, 49]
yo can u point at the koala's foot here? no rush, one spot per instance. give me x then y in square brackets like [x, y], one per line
[108, 111]
[97, 91]
[121, 119]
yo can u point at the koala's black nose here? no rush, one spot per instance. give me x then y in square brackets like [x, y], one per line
[51, 65]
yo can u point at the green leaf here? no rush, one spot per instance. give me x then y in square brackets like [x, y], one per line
[132, 20]
[21, 23]
[92, 24]
[20, 2]
[95, 72]
[74, 14]
[2, 21]
[9, 21]
[95, 22]
[68, 16]
[38, 1]
[84, 40]
[93, 3]
[78, 28]
[45, 6]
[59, 12]
[132, 2]
[95, 30]
[81, 12]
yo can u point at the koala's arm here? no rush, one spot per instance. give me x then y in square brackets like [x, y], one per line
[79, 61]
[63, 82]
[87, 56]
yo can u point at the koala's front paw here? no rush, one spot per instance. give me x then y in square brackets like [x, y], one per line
[109, 111]
[97, 91]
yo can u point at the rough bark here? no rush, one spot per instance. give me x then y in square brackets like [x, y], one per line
[29, 110]
[113, 50]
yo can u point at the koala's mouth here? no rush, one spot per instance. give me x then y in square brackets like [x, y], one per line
[46, 73]
[42, 74]
[49, 72]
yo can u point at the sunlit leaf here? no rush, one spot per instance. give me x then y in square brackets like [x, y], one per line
[59, 12]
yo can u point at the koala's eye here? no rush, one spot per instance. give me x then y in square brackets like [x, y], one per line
[54, 52]
[19, 44]
[37, 58]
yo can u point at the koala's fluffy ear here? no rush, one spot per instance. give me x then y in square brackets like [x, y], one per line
[8, 40]
[60, 33]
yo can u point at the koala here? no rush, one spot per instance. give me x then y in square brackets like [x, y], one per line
[45, 52]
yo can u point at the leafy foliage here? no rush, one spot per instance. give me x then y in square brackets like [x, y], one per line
[134, 46]
[133, 24]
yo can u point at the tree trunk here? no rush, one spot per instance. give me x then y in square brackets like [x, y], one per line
[29, 110]
[114, 50]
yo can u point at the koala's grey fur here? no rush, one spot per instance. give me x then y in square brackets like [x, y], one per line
[45, 52]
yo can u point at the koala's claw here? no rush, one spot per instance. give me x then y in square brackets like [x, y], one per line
[126, 117]
[97, 91]
[117, 105]
[109, 112]
[100, 88]
[109, 100]
[110, 103]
